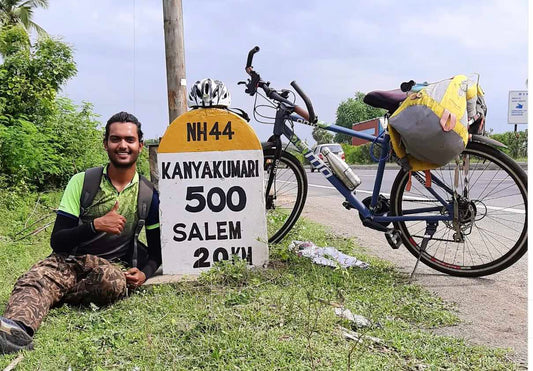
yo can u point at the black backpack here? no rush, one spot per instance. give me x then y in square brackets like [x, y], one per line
[91, 183]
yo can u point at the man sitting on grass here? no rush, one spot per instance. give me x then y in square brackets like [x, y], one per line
[90, 246]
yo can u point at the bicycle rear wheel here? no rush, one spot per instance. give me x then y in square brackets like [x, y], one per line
[492, 213]
[287, 196]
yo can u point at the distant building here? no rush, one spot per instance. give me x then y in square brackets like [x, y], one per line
[372, 127]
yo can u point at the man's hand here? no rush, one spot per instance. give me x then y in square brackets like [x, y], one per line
[134, 277]
[112, 222]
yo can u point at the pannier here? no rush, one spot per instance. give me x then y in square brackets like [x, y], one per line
[431, 126]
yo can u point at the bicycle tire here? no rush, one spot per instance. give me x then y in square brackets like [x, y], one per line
[288, 194]
[497, 236]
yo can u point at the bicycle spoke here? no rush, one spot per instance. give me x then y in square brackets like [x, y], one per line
[501, 224]
[489, 223]
[286, 198]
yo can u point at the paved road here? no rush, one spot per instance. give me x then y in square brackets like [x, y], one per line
[493, 309]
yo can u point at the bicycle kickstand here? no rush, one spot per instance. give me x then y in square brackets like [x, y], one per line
[431, 228]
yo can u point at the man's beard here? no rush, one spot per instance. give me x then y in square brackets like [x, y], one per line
[123, 165]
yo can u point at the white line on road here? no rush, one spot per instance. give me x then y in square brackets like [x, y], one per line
[516, 211]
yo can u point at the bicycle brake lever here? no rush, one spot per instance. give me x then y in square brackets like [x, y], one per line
[241, 83]
[285, 93]
[253, 83]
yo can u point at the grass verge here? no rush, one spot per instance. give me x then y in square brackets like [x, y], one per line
[234, 318]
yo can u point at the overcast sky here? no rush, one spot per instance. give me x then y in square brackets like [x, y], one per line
[331, 48]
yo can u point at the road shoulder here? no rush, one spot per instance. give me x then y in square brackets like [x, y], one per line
[493, 309]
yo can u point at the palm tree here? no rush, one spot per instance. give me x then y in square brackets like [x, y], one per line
[20, 12]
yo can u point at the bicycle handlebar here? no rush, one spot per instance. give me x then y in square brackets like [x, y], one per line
[310, 111]
[250, 57]
[256, 81]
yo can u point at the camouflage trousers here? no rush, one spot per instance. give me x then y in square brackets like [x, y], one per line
[56, 280]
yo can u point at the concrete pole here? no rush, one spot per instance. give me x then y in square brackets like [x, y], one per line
[175, 58]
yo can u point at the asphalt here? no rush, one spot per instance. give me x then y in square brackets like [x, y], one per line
[393, 165]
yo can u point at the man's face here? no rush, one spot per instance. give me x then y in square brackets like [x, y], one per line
[122, 145]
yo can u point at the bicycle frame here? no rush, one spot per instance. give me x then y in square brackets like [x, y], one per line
[282, 128]
[465, 244]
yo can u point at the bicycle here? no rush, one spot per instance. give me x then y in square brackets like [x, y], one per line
[470, 221]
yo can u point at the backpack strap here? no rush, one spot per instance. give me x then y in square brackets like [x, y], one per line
[91, 183]
[240, 113]
[144, 202]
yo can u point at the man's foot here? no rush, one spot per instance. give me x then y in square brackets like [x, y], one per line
[13, 337]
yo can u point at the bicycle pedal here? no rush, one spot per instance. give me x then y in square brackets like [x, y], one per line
[393, 238]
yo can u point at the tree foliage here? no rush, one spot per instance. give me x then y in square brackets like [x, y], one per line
[322, 136]
[43, 139]
[516, 143]
[362, 154]
[20, 13]
[30, 77]
[354, 110]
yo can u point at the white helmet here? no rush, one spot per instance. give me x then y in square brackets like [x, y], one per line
[208, 93]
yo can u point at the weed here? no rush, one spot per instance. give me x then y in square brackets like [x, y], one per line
[233, 272]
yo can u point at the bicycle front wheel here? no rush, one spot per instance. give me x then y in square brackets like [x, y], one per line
[490, 232]
[287, 195]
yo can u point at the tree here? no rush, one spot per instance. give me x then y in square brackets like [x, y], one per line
[43, 139]
[30, 77]
[354, 110]
[322, 136]
[74, 140]
[20, 13]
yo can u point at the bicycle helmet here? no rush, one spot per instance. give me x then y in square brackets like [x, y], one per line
[209, 93]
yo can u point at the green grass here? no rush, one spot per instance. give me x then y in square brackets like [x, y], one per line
[233, 318]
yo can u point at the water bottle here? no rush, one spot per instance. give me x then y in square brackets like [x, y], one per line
[342, 170]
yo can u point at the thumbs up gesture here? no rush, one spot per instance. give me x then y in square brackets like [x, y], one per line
[112, 222]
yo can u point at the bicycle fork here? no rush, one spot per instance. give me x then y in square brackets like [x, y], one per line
[269, 192]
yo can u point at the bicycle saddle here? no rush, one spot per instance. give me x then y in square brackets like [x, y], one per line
[388, 99]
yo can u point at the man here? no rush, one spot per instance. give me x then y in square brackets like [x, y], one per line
[92, 249]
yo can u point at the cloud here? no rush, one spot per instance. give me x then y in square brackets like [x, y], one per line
[491, 26]
[332, 48]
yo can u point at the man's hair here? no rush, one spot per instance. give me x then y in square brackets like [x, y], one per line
[123, 117]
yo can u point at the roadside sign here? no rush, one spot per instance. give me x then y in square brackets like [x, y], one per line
[517, 112]
[212, 207]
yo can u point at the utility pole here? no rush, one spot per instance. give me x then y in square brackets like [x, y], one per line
[175, 58]
[176, 83]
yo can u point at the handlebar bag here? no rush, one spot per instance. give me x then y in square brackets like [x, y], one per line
[430, 128]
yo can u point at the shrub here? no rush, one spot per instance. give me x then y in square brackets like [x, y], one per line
[359, 154]
[516, 143]
[43, 139]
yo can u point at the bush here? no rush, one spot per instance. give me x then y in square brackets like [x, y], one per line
[516, 143]
[45, 156]
[360, 154]
[234, 272]
[299, 156]
[143, 163]
[44, 139]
